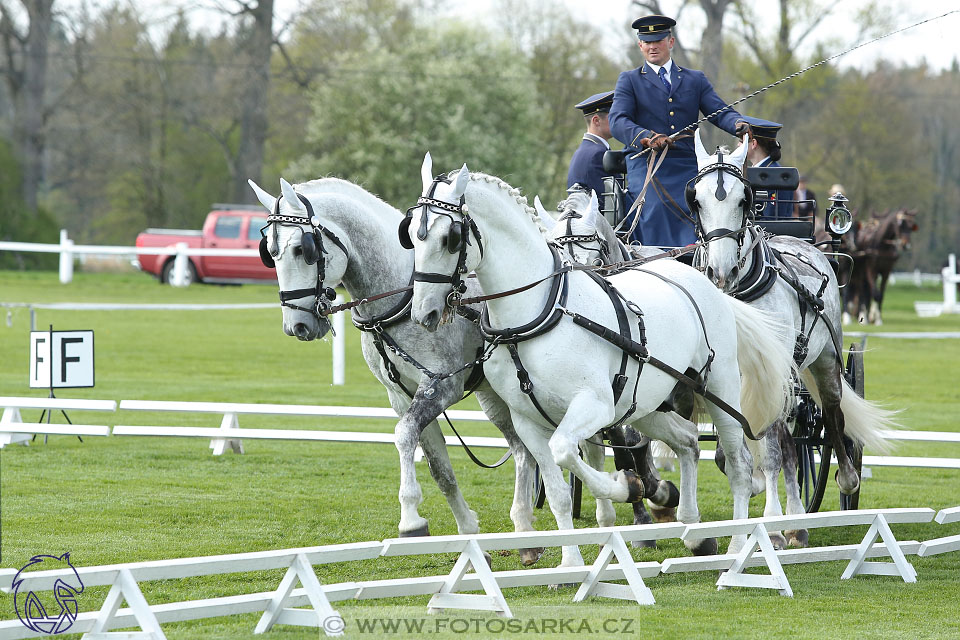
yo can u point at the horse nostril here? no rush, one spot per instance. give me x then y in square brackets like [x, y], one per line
[734, 272]
[300, 330]
[709, 273]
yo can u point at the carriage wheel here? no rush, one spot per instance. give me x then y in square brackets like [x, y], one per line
[854, 376]
[540, 494]
[812, 474]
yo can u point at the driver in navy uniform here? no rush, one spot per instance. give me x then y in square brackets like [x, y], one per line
[651, 102]
[764, 151]
[586, 165]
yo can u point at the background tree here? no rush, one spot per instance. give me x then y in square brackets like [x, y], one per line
[450, 90]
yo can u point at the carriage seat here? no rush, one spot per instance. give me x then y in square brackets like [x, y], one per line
[766, 179]
[615, 162]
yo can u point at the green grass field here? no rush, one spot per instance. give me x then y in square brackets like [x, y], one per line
[127, 499]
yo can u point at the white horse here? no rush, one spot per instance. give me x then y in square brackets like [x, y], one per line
[737, 258]
[326, 232]
[688, 323]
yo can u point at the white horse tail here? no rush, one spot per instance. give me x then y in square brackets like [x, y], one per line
[864, 422]
[766, 366]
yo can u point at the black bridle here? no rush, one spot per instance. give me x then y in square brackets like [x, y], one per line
[458, 238]
[581, 240]
[312, 251]
[746, 204]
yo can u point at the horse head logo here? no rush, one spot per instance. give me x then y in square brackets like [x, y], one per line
[60, 612]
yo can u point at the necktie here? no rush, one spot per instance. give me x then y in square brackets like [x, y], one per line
[663, 79]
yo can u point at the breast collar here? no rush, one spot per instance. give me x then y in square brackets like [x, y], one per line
[762, 274]
[549, 317]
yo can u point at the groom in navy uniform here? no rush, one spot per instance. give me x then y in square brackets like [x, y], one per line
[763, 150]
[650, 103]
[586, 165]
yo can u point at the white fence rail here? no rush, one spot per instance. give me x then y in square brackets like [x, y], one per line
[230, 434]
[282, 606]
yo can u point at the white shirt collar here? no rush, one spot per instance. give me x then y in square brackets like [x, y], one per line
[760, 164]
[595, 138]
[668, 66]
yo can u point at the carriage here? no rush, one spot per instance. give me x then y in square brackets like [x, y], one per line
[814, 449]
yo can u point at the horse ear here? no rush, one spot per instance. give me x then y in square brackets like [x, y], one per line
[739, 156]
[290, 195]
[265, 198]
[546, 219]
[702, 155]
[463, 178]
[426, 171]
[592, 212]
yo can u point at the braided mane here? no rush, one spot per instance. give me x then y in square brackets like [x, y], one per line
[516, 194]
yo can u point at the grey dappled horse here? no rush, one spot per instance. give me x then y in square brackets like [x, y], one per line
[792, 280]
[367, 259]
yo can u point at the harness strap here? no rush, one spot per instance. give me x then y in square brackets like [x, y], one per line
[526, 386]
[639, 351]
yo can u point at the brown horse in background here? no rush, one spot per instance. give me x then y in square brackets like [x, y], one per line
[877, 244]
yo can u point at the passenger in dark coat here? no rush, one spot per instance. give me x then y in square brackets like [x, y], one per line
[586, 165]
[764, 151]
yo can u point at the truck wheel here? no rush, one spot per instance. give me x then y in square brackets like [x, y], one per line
[167, 272]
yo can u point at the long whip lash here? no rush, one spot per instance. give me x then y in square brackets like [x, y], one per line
[797, 73]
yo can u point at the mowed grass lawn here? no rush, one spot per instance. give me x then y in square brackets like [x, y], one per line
[128, 499]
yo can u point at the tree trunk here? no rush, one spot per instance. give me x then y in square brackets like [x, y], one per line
[711, 44]
[29, 101]
[253, 118]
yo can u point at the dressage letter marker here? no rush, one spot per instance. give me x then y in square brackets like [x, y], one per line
[61, 359]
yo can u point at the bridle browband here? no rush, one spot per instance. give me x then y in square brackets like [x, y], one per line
[458, 238]
[312, 249]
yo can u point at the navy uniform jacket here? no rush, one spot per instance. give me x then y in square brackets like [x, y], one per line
[586, 165]
[641, 104]
[783, 208]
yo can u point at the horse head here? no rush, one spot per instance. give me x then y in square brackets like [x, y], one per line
[309, 258]
[582, 233]
[721, 200]
[445, 241]
[906, 225]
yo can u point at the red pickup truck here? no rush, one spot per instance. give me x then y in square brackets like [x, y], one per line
[228, 226]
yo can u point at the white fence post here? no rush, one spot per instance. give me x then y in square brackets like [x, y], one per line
[66, 258]
[949, 274]
[179, 276]
[339, 340]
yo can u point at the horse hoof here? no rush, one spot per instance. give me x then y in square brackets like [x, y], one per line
[416, 533]
[643, 544]
[778, 541]
[557, 587]
[849, 485]
[666, 495]
[530, 556]
[634, 485]
[705, 547]
[663, 514]
[798, 538]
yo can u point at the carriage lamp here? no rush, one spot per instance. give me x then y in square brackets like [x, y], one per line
[839, 219]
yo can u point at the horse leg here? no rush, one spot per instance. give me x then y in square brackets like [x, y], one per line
[438, 460]
[768, 457]
[788, 456]
[739, 463]
[681, 436]
[415, 417]
[594, 455]
[521, 512]
[881, 288]
[662, 495]
[824, 375]
[535, 438]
